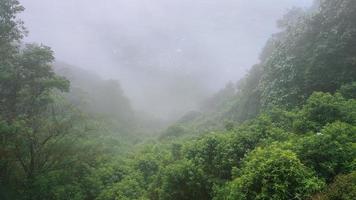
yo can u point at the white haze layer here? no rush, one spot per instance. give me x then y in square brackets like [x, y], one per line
[167, 54]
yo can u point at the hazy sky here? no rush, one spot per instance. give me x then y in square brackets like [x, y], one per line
[178, 51]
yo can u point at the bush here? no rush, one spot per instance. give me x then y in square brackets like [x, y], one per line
[331, 151]
[184, 181]
[343, 188]
[131, 187]
[272, 173]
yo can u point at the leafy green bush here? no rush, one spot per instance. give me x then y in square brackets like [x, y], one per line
[343, 188]
[131, 187]
[323, 108]
[184, 181]
[215, 154]
[272, 173]
[331, 151]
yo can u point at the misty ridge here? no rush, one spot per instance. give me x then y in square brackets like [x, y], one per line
[169, 56]
[177, 100]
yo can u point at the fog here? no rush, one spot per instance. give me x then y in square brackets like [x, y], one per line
[167, 54]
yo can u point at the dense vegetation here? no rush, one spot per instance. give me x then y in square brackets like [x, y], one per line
[285, 131]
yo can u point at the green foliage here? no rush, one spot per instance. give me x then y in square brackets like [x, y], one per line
[323, 108]
[313, 53]
[57, 185]
[147, 165]
[44, 153]
[343, 188]
[11, 29]
[272, 173]
[215, 154]
[27, 84]
[129, 188]
[176, 151]
[184, 181]
[35, 143]
[246, 104]
[331, 151]
[348, 91]
[279, 133]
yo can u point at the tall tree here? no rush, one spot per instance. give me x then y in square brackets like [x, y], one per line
[11, 28]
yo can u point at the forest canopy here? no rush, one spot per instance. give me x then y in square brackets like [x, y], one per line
[287, 130]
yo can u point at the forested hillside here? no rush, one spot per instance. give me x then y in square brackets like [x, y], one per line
[287, 130]
[314, 51]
